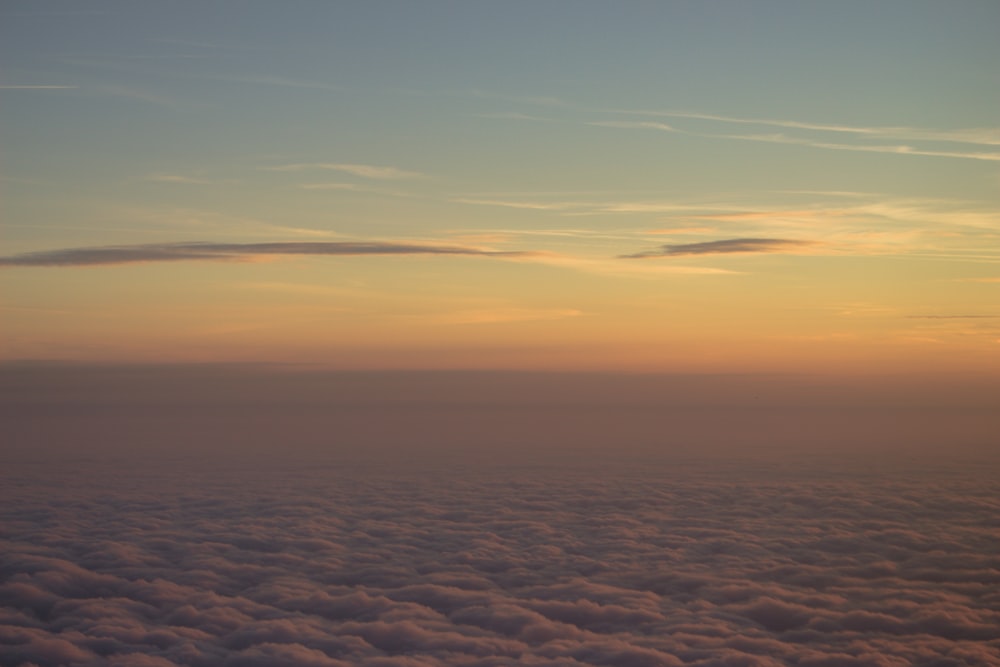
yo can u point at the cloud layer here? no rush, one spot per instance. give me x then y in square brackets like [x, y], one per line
[243, 517]
[339, 566]
[167, 252]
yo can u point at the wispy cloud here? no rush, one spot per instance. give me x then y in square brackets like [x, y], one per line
[511, 115]
[725, 246]
[900, 149]
[136, 62]
[529, 205]
[681, 230]
[330, 186]
[585, 207]
[952, 317]
[170, 252]
[846, 223]
[629, 124]
[989, 136]
[248, 252]
[586, 234]
[843, 223]
[140, 95]
[362, 188]
[779, 138]
[652, 207]
[283, 82]
[362, 170]
[930, 213]
[539, 100]
[507, 315]
[59, 13]
[773, 214]
[614, 267]
[200, 223]
[33, 87]
[916, 137]
[179, 179]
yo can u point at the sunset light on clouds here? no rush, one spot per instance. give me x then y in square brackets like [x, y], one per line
[807, 162]
[442, 283]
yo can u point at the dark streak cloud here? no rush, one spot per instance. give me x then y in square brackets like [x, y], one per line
[723, 247]
[171, 252]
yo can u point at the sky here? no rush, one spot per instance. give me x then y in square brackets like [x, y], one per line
[468, 334]
[672, 187]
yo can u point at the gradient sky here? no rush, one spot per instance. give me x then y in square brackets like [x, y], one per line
[678, 186]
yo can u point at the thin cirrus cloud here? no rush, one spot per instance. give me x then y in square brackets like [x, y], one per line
[170, 252]
[900, 149]
[180, 179]
[507, 315]
[528, 205]
[281, 81]
[778, 138]
[638, 125]
[331, 186]
[952, 317]
[987, 137]
[982, 136]
[585, 207]
[362, 170]
[681, 230]
[725, 246]
[872, 207]
[34, 87]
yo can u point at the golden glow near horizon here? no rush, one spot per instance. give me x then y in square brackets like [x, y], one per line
[353, 187]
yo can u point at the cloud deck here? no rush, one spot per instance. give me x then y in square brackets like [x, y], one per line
[335, 567]
[243, 516]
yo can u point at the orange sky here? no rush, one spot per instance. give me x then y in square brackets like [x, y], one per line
[372, 190]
